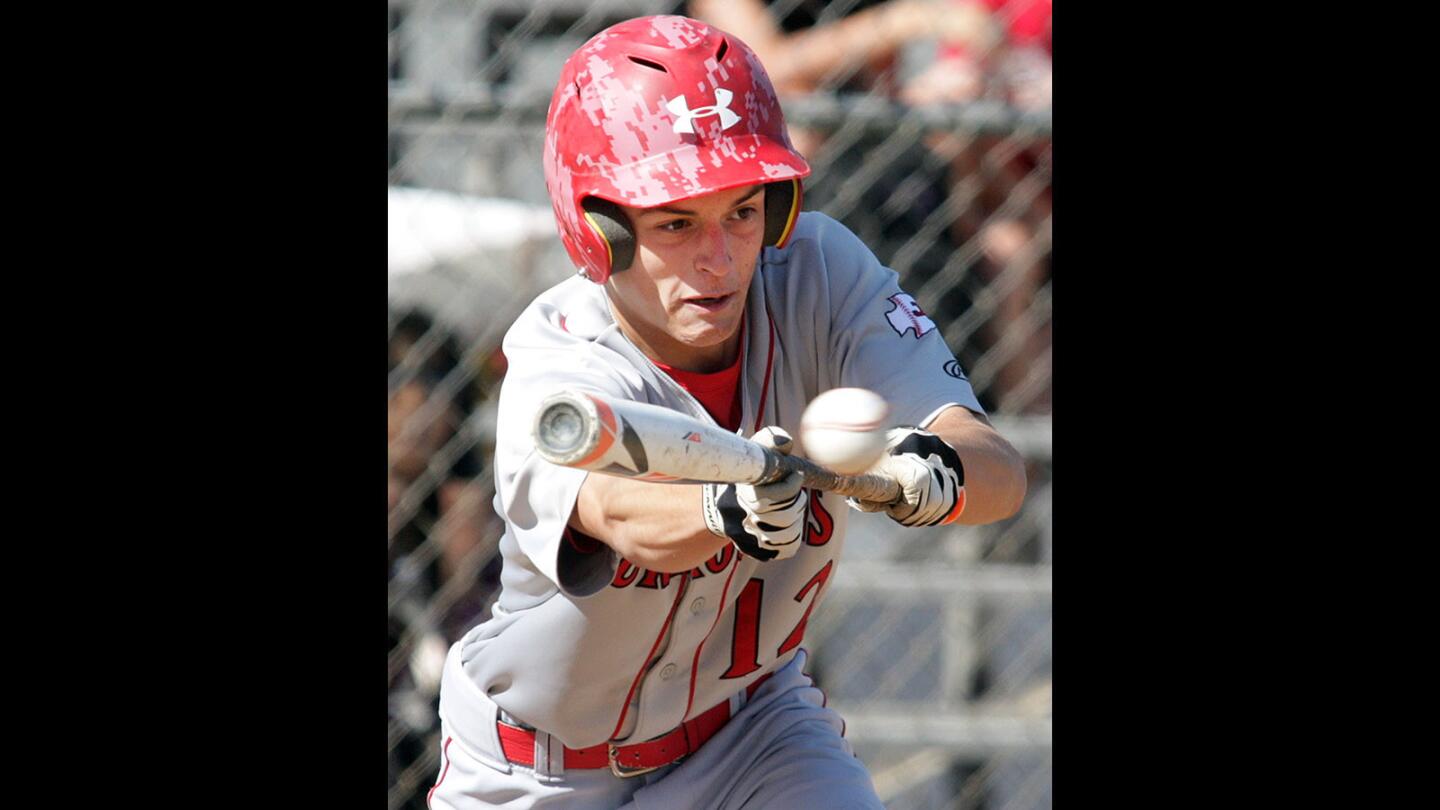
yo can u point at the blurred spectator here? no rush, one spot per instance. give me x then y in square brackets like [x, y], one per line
[1014, 68]
[444, 518]
[420, 429]
[803, 53]
[1016, 71]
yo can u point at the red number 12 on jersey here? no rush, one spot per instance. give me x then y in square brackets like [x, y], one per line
[745, 649]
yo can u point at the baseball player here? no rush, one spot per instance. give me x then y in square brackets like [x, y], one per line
[646, 648]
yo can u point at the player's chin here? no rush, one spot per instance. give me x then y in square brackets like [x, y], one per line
[707, 328]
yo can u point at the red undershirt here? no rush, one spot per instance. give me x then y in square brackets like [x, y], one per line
[718, 391]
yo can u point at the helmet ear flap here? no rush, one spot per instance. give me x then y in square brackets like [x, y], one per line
[610, 223]
[782, 206]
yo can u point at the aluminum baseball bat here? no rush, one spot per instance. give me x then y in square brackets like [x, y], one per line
[650, 443]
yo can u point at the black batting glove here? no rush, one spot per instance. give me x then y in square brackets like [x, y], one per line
[765, 522]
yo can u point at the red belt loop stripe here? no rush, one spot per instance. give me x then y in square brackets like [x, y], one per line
[519, 743]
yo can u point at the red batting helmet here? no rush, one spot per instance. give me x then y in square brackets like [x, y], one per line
[655, 110]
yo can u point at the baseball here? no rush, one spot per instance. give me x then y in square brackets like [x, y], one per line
[843, 429]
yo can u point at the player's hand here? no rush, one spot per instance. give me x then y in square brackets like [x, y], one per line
[931, 478]
[765, 522]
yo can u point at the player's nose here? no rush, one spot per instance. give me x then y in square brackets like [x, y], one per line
[714, 255]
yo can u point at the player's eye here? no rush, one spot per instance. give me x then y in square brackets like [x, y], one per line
[746, 212]
[674, 225]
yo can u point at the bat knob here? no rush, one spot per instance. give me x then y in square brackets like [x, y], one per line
[561, 428]
[567, 428]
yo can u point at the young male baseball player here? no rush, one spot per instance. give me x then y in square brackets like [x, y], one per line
[645, 650]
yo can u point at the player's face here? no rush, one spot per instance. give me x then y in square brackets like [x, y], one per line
[682, 300]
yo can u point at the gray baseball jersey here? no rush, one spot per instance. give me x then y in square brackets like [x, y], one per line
[591, 648]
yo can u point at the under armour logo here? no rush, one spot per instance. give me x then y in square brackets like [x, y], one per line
[685, 117]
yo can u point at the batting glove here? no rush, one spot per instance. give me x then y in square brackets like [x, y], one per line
[931, 478]
[765, 522]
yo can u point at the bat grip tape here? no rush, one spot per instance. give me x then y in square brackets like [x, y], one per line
[862, 487]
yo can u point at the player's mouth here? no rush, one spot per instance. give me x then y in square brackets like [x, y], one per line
[713, 303]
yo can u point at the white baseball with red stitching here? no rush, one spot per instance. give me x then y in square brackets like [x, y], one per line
[843, 429]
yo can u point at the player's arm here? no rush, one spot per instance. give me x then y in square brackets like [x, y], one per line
[994, 471]
[672, 527]
[955, 470]
[660, 527]
[958, 469]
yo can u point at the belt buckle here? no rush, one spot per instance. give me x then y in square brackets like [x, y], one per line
[622, 771]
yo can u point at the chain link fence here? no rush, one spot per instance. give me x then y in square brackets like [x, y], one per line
[934, 644]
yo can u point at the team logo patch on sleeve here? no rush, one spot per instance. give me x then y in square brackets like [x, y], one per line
[908, 315]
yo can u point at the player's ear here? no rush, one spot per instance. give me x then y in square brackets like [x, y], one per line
[610, 223]
[782, 206]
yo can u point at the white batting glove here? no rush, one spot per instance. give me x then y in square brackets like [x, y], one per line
[931, 478]
[767, 521]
